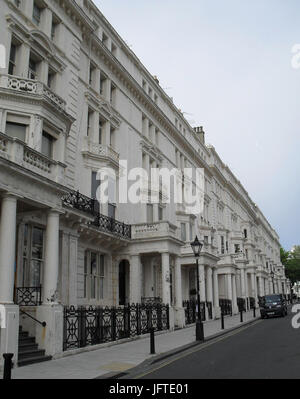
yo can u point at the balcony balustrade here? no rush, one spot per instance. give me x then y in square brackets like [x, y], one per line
[18, 152]
[101, 150]
[33, 87]
[151, 230]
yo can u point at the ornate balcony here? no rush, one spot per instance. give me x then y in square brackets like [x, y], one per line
[100, 151]
[78, 201]
[153, 230]
[32, 87]
[18, 152]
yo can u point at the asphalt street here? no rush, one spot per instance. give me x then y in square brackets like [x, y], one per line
[267, 349]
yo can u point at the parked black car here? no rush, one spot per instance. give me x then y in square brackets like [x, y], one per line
[273, 305]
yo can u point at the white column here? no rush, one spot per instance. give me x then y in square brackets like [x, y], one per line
[178, 283]
[209, 284]
[261, 287]
[253, 285]
[216, 293]
[51, 266]
[179, 311]
[7, 248]
[234, 295]
[202, 283]
[165, 258]
[229, 286]
[243, 283]
[135, 279]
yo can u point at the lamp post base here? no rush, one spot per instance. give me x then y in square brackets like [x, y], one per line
[199, 331]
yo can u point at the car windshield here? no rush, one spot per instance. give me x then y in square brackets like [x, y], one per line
[272, 299]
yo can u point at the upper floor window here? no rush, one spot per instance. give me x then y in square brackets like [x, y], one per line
[222, 245]
[51, 78]
[183, 231]
[89, 122]
[12, 59]
[160, 212]
[91, 73]
[103, 81]
[32, 71]
[36, 14]
[236, 248]
[245, 233]
[17, 126]
[47, 144]
[54, 26]
[16, 130]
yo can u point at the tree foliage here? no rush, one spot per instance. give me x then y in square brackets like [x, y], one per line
[291, 261]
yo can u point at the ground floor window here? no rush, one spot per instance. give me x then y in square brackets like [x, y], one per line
[94, 274]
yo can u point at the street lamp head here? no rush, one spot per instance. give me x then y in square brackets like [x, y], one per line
[196, 247]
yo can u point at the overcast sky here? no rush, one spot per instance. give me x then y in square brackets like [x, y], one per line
[228, 66]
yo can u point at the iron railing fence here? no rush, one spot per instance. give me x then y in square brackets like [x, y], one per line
[191, 311]
[252, 302]
[226, 306]
[28, 296]
[209, 310]
[241, 302]
[85, 326]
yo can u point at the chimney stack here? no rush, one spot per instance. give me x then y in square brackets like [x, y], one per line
[201, 133]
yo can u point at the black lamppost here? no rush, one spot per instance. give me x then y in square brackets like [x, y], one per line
[272, 276]
[196, 247]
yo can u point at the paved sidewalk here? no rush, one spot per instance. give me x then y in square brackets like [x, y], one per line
[121, 357]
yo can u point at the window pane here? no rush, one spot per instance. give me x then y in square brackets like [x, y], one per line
[47, 145]
[16, 130]
[35, 274]
[183, 232]
[37, 243]
[160, 213]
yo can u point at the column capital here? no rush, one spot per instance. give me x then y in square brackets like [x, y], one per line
[54, 211]
[9, 195]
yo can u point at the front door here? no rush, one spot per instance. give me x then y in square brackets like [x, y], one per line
[32, 256]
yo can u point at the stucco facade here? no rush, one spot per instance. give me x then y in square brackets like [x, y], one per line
[74, 99]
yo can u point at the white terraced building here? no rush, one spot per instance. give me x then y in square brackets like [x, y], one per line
[74, 99]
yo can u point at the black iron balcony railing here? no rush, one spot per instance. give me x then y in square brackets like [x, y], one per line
[104, 223]
[79, 201]
[28, 296]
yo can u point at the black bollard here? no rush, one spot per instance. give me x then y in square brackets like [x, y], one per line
[7, 365]
[222, 321]
[241, 314]
[152, 341]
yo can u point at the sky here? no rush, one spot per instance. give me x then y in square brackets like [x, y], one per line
[228, 66]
